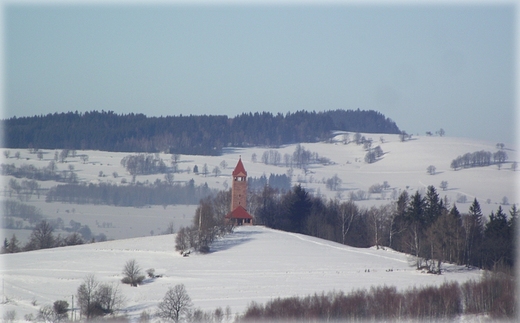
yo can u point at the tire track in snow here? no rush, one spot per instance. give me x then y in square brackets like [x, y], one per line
[28, 291]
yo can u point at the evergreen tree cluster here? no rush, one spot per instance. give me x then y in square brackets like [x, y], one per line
[433, 231]
[298, 211]
[423, 226]
[196, 135]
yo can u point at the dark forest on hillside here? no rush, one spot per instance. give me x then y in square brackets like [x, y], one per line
[201, 135]
[423, 226]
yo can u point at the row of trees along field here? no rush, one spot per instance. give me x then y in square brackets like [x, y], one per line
[422, 226]
[493, 296]
[480, 159]
[204, 135]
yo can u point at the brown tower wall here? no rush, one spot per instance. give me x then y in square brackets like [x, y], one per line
[239, 192]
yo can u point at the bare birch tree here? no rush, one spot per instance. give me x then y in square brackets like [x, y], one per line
[347, 212]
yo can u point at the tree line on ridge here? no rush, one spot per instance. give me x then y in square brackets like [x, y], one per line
[200, 135]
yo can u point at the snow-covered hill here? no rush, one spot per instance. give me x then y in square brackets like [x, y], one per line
[403, 166]
[251, 264]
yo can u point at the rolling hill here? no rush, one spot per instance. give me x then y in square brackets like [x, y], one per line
[251, 264]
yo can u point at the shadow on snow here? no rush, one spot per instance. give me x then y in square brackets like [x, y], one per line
[232, 240]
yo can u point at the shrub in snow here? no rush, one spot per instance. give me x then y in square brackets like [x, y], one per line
[132, 273]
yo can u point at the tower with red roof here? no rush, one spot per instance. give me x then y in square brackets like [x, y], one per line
[239, 214]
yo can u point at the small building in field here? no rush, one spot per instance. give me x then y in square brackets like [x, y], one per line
[238, 214]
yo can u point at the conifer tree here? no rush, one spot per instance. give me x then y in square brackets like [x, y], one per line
[14, 245]
[513, 216]
[513, 219]
[497, 250]
[474, 234]
[415, 218]
[297, 207]
[398, 225]
[433, 206]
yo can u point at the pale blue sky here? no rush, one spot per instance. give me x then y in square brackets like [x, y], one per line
[425, 67]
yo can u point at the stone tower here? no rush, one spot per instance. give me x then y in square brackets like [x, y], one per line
[239, 187]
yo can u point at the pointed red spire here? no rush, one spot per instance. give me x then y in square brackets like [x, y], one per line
[239, 169]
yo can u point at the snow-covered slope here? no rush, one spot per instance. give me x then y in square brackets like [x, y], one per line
[251, 264]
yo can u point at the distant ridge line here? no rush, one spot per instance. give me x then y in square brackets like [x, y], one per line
[198, 135]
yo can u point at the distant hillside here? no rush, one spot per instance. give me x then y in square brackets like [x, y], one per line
[200, 135]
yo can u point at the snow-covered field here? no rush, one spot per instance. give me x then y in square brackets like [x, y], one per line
[252, 264]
